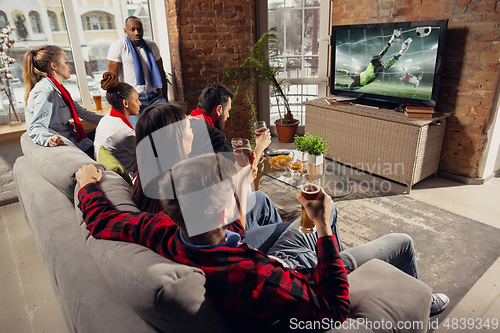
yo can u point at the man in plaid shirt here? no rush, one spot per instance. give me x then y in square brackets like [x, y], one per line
[251, 289]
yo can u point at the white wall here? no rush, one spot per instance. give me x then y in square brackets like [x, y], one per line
[490, 161]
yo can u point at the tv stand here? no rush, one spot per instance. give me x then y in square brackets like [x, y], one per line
[375, 104]
[380, 141]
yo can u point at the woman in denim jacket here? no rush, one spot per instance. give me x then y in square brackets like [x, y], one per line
[49, 104]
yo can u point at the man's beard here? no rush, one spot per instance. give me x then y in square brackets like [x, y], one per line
[137, 43]
[219, 124]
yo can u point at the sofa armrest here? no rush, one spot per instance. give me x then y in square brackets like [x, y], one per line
[381, 293]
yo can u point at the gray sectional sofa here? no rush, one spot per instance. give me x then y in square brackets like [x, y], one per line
[110, 286]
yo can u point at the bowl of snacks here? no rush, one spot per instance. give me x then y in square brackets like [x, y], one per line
[295, 165]
[280, 158]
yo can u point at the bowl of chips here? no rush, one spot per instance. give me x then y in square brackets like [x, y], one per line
[280, 158]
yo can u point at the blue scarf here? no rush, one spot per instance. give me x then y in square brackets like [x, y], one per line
[154, 73]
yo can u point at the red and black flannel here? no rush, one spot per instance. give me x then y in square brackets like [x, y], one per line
[250, 288]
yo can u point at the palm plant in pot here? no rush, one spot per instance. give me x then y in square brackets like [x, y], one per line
[263, 65]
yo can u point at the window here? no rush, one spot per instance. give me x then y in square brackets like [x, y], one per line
[36, 24]
[53, 21]
[63, 20]
[98, 21]
[109, 22]
[20, 23]
[3, 19]
[88, 50]
[302, 29]
[94, 23]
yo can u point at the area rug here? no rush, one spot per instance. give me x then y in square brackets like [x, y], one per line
[452, 251]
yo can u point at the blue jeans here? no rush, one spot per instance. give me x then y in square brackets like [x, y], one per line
[263, 222]
[298, 250]
[147, 99]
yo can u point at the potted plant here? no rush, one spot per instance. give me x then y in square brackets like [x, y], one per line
[316, 147]
[6, 43]
[263, 65]
[300, 145]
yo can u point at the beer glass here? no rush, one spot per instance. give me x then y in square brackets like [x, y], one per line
[242, 151]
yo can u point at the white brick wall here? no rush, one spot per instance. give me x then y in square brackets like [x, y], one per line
[8, 155]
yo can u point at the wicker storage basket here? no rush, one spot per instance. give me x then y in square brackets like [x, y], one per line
[379, 141]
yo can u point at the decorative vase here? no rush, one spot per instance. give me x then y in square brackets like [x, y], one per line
[286, 132]
[302, 156]
[315, 164]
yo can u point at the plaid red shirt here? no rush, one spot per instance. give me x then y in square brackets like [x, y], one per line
[250, 288]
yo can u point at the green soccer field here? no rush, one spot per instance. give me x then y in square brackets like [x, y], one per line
[398, 89]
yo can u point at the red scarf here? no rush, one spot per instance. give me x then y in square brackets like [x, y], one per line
[80, 132]
[114, 113]
[200, 114]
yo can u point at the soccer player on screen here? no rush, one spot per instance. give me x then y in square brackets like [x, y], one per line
[376, 65]
[410, 78]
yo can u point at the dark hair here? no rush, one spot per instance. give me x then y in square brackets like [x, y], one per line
[116, 91]
[196, 174]
[153, 118]
[213, 95]
[134, 18]
[36, 64]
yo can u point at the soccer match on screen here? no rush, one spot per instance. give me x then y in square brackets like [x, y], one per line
[393, 62]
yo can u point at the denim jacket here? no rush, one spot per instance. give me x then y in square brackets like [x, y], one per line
[47, 109]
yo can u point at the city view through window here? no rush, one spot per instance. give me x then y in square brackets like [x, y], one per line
[96, 25]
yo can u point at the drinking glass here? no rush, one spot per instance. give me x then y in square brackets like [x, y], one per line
[309, 190]
[259, 127]
[242, 151]
[97, 100]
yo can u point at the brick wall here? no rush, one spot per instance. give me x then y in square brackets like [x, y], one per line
[209, 37]
[471, 66]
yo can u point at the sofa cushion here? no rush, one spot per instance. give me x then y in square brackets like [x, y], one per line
[381, 293]
[169, 295]
[56, 164]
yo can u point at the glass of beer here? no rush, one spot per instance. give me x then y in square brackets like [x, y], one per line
[242, 151]
[97, 101]
[309, 190]
[259, 127]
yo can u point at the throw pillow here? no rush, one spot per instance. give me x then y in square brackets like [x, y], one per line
[112, 164]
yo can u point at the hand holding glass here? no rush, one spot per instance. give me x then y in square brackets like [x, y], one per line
[310, 191]
[259, 127]
[242, 151]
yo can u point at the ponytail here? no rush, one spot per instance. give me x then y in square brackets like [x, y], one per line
[36, 64]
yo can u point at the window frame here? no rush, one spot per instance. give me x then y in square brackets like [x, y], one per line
[323, 56]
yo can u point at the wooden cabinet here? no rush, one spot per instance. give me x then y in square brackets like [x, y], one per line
[379, 141]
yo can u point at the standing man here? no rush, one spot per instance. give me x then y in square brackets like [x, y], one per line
[137, 62]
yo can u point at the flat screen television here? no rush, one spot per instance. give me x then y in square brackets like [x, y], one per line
[388, 64]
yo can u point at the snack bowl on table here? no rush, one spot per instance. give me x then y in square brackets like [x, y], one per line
[296, 166]
[280, 158]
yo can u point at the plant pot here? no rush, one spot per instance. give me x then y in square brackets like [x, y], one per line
[302, 156]
[315, 164]
[286, 132]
